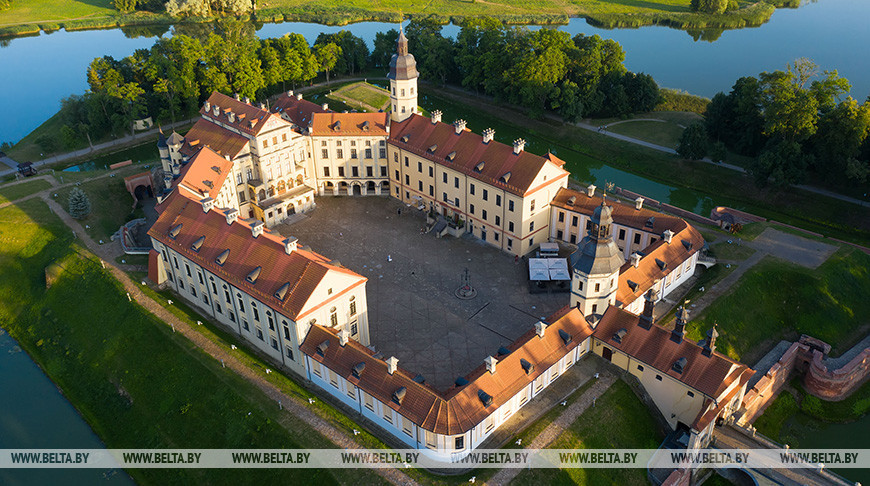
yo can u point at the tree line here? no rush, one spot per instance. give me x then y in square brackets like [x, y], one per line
[796, 124]
[540, 70]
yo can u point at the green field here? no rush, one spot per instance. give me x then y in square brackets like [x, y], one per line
[11, 192]
[732, 251]
[363, 96]
[777, 300]
[659, 133]
[111, 206]
[138, 384]
[618, 420]
[29, 16]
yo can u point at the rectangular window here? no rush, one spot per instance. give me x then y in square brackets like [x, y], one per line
[339, 153]
[260, 334]
[351, 391]
[354, 171]
[498, 200]
[193, 290]
[388, 414]
[369, 401]
[316, 369]
[431, 171]
[637, 238]
[483, 214]
[288, 352]
[333, 379]
[431, 440]
[232, 317]
[444, 177]
[622, 234]
[407, 180]
[459, 443]
[383, 172]
[245, 325]
[369, 171]
[397, 175]
[431, 191]
[354, 329]
[471, 188]
[690, 394]
[659, 377]
[353, 153]
[561, 217]
[407, 163]
[420, 186]
[511, 226]
[274, 343]
[341, 171]
[445, 197]
[456, 201]
[326, 172]
[510, 205]
[532, 226]
[420, 167]
[456, 182]
[470, 208]
[368, 153]
[639, 368]
[485, 195]
[353, 308]
[382, 153]
[324, 153]
[407, 426]
[256, 312]
[395, 156]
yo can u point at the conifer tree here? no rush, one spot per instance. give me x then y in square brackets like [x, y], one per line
[79, 204]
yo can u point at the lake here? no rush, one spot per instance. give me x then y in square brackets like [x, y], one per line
[37, 72]
[38, 416]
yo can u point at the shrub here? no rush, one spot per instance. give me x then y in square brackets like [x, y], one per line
[693, 142]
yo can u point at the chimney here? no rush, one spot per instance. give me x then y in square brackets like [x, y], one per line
[232, 215]
[247, 100]
[649, 303]
[290, 244]
[236, 96]
[710, 343]
[638, 203]
[667, 235]
[298, 96]
[519, 145]
[207, 204]
[590, 190]
[262, 106]
[436, 116]
[342, 337]
[392, 364]
[217, 110]
[290, 93]
[459, 126]
[231, 117]
[257, 228]
[325, 106]
[540, 327]
[635, 259]
[680, 325]
[488, 135]
[490, 363]
[207, 105]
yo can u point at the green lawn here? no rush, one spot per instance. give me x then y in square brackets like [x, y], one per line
[778, 300]
[111, 206]
[12, 192]
[370, 95]
[732, 251]
[39, 11]
[618, 421]
[138, 384]
[659, 133]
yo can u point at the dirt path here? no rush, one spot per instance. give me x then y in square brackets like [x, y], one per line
[562, 422]
[291, 405]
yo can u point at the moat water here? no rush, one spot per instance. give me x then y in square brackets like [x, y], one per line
[35, 415]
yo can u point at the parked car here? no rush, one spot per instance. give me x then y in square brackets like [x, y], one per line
[26, 169]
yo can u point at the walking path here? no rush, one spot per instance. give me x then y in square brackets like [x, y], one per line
[554, 430]
[291, 405]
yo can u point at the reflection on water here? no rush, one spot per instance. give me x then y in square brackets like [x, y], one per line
[37, 416]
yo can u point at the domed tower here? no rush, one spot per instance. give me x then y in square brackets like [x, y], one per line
[403, 81]
[595, 266]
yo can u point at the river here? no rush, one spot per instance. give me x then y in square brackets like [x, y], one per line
[36, 416]
[37, 72]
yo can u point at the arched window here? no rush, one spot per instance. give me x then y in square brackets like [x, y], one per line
[353, 306]
[333, 317]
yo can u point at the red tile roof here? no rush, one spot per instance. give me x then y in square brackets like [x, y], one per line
[329, 124]
[205, 173]
[247, 118]
[207, 134]
[300, 112]
[458, 409]
[684, 243]
[468, 152]
[302, 269]
[711, 375]
[623, 214]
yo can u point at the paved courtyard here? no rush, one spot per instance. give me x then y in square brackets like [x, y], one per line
[413, 313]
[802, 251]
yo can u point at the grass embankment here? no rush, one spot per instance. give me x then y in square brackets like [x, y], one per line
[363, 96]
[619, 420]
[13, 191]
[693, 182]
[138, 384]
[777, 300]
[28, 17]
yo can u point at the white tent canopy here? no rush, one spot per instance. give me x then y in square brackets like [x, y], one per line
[548, 269]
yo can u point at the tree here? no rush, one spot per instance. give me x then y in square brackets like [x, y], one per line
[79, 204]
[718, 152]
[693, 142]
[790, 111]
[353, 53]
[841, 133]
[710, 6]
[385, 47]
[327, 55]
[781, 163]
[124, 5]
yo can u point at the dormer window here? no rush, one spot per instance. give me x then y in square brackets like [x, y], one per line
[358, 369]
[405, 138]
[252, 277]
[222, 258]
[173, 232]
[619, 335]
[399, 395]
[322, 347]
[282, 291]
[506, 177]
[451, 156]
[680, 365]
[197, 244]
[432, 148]
[479, 167]
[484, 397]
[529, 368]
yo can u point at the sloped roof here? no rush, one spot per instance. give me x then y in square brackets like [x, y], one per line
[338, 124]
[622, 213]
[458, 409]
[598, 255]
[207, 134]
[248, 118]
[300, 112]
[206, 173]
[302, 269]
[469, 151]
[711, 375]
[684, 243]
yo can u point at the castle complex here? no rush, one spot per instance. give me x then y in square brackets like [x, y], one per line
[244, 168]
